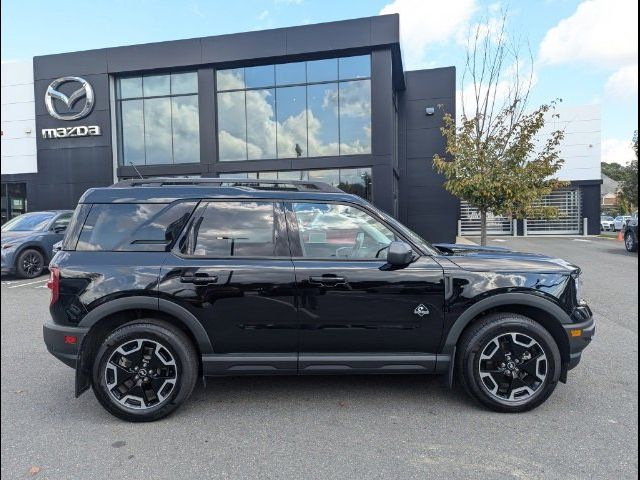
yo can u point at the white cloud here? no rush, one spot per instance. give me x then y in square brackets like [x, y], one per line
[623, 84]
[264, 14]
[424, 23]
[600, 32]
[619, 151]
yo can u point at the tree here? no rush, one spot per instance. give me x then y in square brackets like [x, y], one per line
[495, 160]
[614, 171]
[628, 196]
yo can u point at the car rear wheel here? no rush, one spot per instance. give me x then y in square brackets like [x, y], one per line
[630, 243]
[30, 263]
[144, 370]
[508, 362]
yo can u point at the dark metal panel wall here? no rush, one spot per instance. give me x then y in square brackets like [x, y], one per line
[424, 203]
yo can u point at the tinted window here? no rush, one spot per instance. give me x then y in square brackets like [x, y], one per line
[183, 83]
[234, 229]
[322, 70]
[292, 122]
[322, 110]
[257, 77]
[133, 227]
[130, 87]
[355, 67]
[156, 85]
[28, 222]
[158, 121]
[62, 221]
[355, 117]
[290, 73]
[340, 231]
[232, 126]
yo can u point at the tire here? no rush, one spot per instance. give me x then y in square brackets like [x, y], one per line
[629, 243]
[481, 351]
[170, 374]
[30, 263]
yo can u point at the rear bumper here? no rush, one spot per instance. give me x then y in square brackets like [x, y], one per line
[60, 342]
[580, 334]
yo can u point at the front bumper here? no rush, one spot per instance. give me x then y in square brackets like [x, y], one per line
[6, 259]
[580, 333]
[63, 342]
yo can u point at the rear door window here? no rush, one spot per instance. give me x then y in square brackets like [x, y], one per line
[134, 227]
[237, 229]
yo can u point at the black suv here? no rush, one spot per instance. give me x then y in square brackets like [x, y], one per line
[631, 234]
[162, 281]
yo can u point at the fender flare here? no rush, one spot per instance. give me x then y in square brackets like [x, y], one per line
[33, 245]
[525, 299]
[151, 303]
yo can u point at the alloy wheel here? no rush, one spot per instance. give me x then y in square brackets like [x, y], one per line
[628, 242]
[32, 264]
[141, 374]
[513, 367]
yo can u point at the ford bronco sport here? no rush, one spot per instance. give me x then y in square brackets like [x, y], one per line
[162, 281]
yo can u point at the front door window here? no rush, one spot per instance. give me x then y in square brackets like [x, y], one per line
[333, 231]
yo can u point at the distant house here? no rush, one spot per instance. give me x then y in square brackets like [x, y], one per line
[609, 192]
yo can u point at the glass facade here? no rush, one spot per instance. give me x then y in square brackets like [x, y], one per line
[158, 119]
[351, 180]
[292, 110]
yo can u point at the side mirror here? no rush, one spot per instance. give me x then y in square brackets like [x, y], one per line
[60, 229]
[399, 254]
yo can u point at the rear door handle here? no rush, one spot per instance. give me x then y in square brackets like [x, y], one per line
[327, 281]
[199, 278]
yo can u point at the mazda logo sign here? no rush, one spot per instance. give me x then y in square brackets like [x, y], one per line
[85, 91]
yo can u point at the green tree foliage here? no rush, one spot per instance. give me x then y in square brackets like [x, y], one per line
[628, 196]
[493, 157]
[614, 171]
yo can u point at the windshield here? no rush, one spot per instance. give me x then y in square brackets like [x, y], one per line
[607, 218]
[28, 222]
[411, 235]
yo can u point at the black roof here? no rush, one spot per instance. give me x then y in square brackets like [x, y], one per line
[166, 190]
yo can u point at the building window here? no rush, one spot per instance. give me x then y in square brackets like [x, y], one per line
[351, 180]
[303, 109]
[158, 119]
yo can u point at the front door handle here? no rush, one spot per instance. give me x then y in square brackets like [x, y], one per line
[199, 278]
[327, 281]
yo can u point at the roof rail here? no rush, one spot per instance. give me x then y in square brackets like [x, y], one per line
[251, 184]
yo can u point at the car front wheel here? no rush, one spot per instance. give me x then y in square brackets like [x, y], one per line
[144, 370]
[629, 243]
[508, 362]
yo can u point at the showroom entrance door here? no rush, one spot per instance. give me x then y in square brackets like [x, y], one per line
[13, 200]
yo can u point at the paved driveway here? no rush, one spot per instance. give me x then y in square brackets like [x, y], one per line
[376, 427]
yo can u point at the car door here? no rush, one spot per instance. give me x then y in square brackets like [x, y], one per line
[232, 270]
[356, 313]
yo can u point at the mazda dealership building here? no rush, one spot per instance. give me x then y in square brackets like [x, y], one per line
[328, 102]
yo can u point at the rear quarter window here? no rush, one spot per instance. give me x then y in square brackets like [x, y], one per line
[133, 227]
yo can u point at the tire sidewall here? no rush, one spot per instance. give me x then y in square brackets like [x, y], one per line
[181, 351]
[19, 261]
[479, 341]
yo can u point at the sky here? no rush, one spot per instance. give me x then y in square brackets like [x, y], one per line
[585, 51]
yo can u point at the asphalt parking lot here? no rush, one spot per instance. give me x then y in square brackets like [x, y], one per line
[382, 427]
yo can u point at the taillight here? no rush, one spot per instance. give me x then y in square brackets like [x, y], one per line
[54, 284]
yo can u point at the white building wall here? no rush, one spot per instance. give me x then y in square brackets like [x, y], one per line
[18, 119]
[581, 146]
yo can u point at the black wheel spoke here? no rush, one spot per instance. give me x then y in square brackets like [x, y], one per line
[508, 366]
[141, 373]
